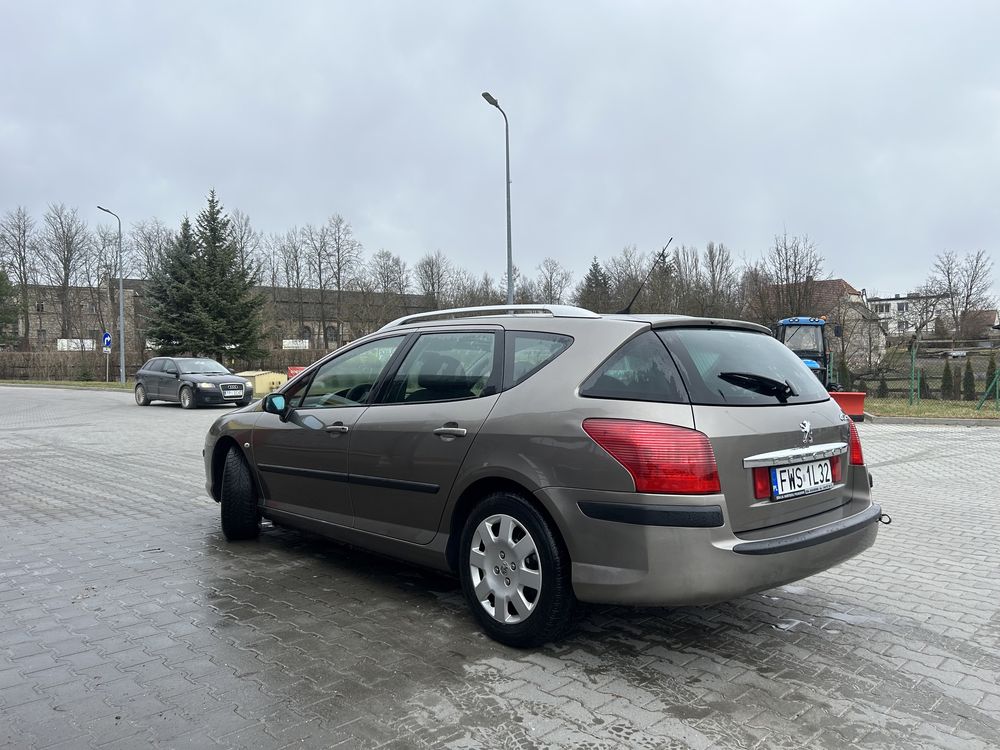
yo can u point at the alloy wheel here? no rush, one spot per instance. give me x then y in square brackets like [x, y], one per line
[506, 573]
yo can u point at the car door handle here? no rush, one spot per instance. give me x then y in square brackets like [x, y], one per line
[338, 427]
[448, 431]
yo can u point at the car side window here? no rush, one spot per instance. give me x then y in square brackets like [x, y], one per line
[446, 366]
[527, 352]
[347, 379]
[641, 370]
[154, 365]
[169, 367]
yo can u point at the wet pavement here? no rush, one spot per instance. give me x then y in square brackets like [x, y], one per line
[126, 620]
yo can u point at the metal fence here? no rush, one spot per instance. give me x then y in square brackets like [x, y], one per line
[931, 378]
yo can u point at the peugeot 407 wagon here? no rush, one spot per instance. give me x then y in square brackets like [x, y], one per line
[549, 455]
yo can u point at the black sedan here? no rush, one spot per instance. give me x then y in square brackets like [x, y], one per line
[193, 381]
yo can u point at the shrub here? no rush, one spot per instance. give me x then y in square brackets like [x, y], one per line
[947, 386]
[968, 382]
[925, 386]
[883, 388]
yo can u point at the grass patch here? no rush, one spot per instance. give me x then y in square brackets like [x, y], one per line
[88, 384]
[892, 407]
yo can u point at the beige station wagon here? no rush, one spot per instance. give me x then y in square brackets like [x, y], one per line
[548, 455]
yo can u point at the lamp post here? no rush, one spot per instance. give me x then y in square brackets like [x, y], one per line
[121, 301]
[506, 138]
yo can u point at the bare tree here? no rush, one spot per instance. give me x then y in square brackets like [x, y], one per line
[247, 242]
[98, 268]
[722, 287]
[625, 273]
[295, 266]
[782, 283]
[552, 282]
[389, 279]
[146, 243]
[64, 242]
[433, 275]
[966, 282]
[316, 243]
[345, 260]
[18, 254]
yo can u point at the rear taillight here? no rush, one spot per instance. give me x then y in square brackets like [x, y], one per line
[761, 482]
[836, 470]
[857, 457]
[661, 458]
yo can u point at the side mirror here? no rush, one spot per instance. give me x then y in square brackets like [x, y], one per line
[231, 370]
[275, 403]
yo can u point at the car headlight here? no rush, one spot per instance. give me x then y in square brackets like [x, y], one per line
[249, 384]
[206, 386]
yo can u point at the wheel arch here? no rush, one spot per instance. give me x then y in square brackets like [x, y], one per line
[219, 452]
[481, 489]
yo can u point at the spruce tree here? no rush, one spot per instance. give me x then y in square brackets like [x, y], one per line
[202, 299]
[8, 310]
[968, 382]
[594, 292]
[947, 386]
[991, 371]
[171, 293]
[844, 376]
[227, 311]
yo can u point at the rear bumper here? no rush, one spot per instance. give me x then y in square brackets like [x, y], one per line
[650, 559]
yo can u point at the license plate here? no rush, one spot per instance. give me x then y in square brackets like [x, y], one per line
[800, 479]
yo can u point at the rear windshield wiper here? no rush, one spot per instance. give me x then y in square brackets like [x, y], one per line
[760, 384]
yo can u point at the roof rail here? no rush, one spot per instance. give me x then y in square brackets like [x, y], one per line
[556, 311]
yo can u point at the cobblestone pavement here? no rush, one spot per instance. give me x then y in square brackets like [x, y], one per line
[126, 619]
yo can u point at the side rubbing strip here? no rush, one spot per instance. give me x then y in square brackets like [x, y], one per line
[339, 476]
[333, 476]
[690, 516]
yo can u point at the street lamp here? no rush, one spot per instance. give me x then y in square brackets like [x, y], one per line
[506, 138]
[121, 301]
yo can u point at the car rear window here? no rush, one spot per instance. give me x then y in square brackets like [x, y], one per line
[641, 370]
[734, 367]
[527, 352]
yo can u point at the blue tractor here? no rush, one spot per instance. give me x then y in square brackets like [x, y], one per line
[807, 338]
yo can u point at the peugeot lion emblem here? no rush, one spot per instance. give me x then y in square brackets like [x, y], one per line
[807, 432]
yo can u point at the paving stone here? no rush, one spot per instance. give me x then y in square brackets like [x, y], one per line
[126, 618]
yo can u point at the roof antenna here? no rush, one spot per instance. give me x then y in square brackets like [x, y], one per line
[662, 257]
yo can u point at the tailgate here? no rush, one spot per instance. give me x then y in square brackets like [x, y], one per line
[794, 444]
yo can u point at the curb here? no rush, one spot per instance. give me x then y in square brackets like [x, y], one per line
[66, 387]
[941, 421]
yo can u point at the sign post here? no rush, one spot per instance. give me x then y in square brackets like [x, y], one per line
[106, 347]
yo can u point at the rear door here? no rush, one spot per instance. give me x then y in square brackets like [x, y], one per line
[407, 448]
[763, 409]
[151, 375]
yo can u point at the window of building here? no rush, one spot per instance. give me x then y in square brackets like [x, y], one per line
[902, 306]
[42, 336]
[39, 307]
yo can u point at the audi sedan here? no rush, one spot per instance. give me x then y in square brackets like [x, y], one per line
[548, 455]
[191, 382]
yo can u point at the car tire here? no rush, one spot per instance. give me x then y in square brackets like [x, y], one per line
[238, 498]
[516, 547]
[140, 396]
[187, 398]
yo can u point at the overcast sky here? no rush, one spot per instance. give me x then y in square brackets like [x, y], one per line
[873, 127]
